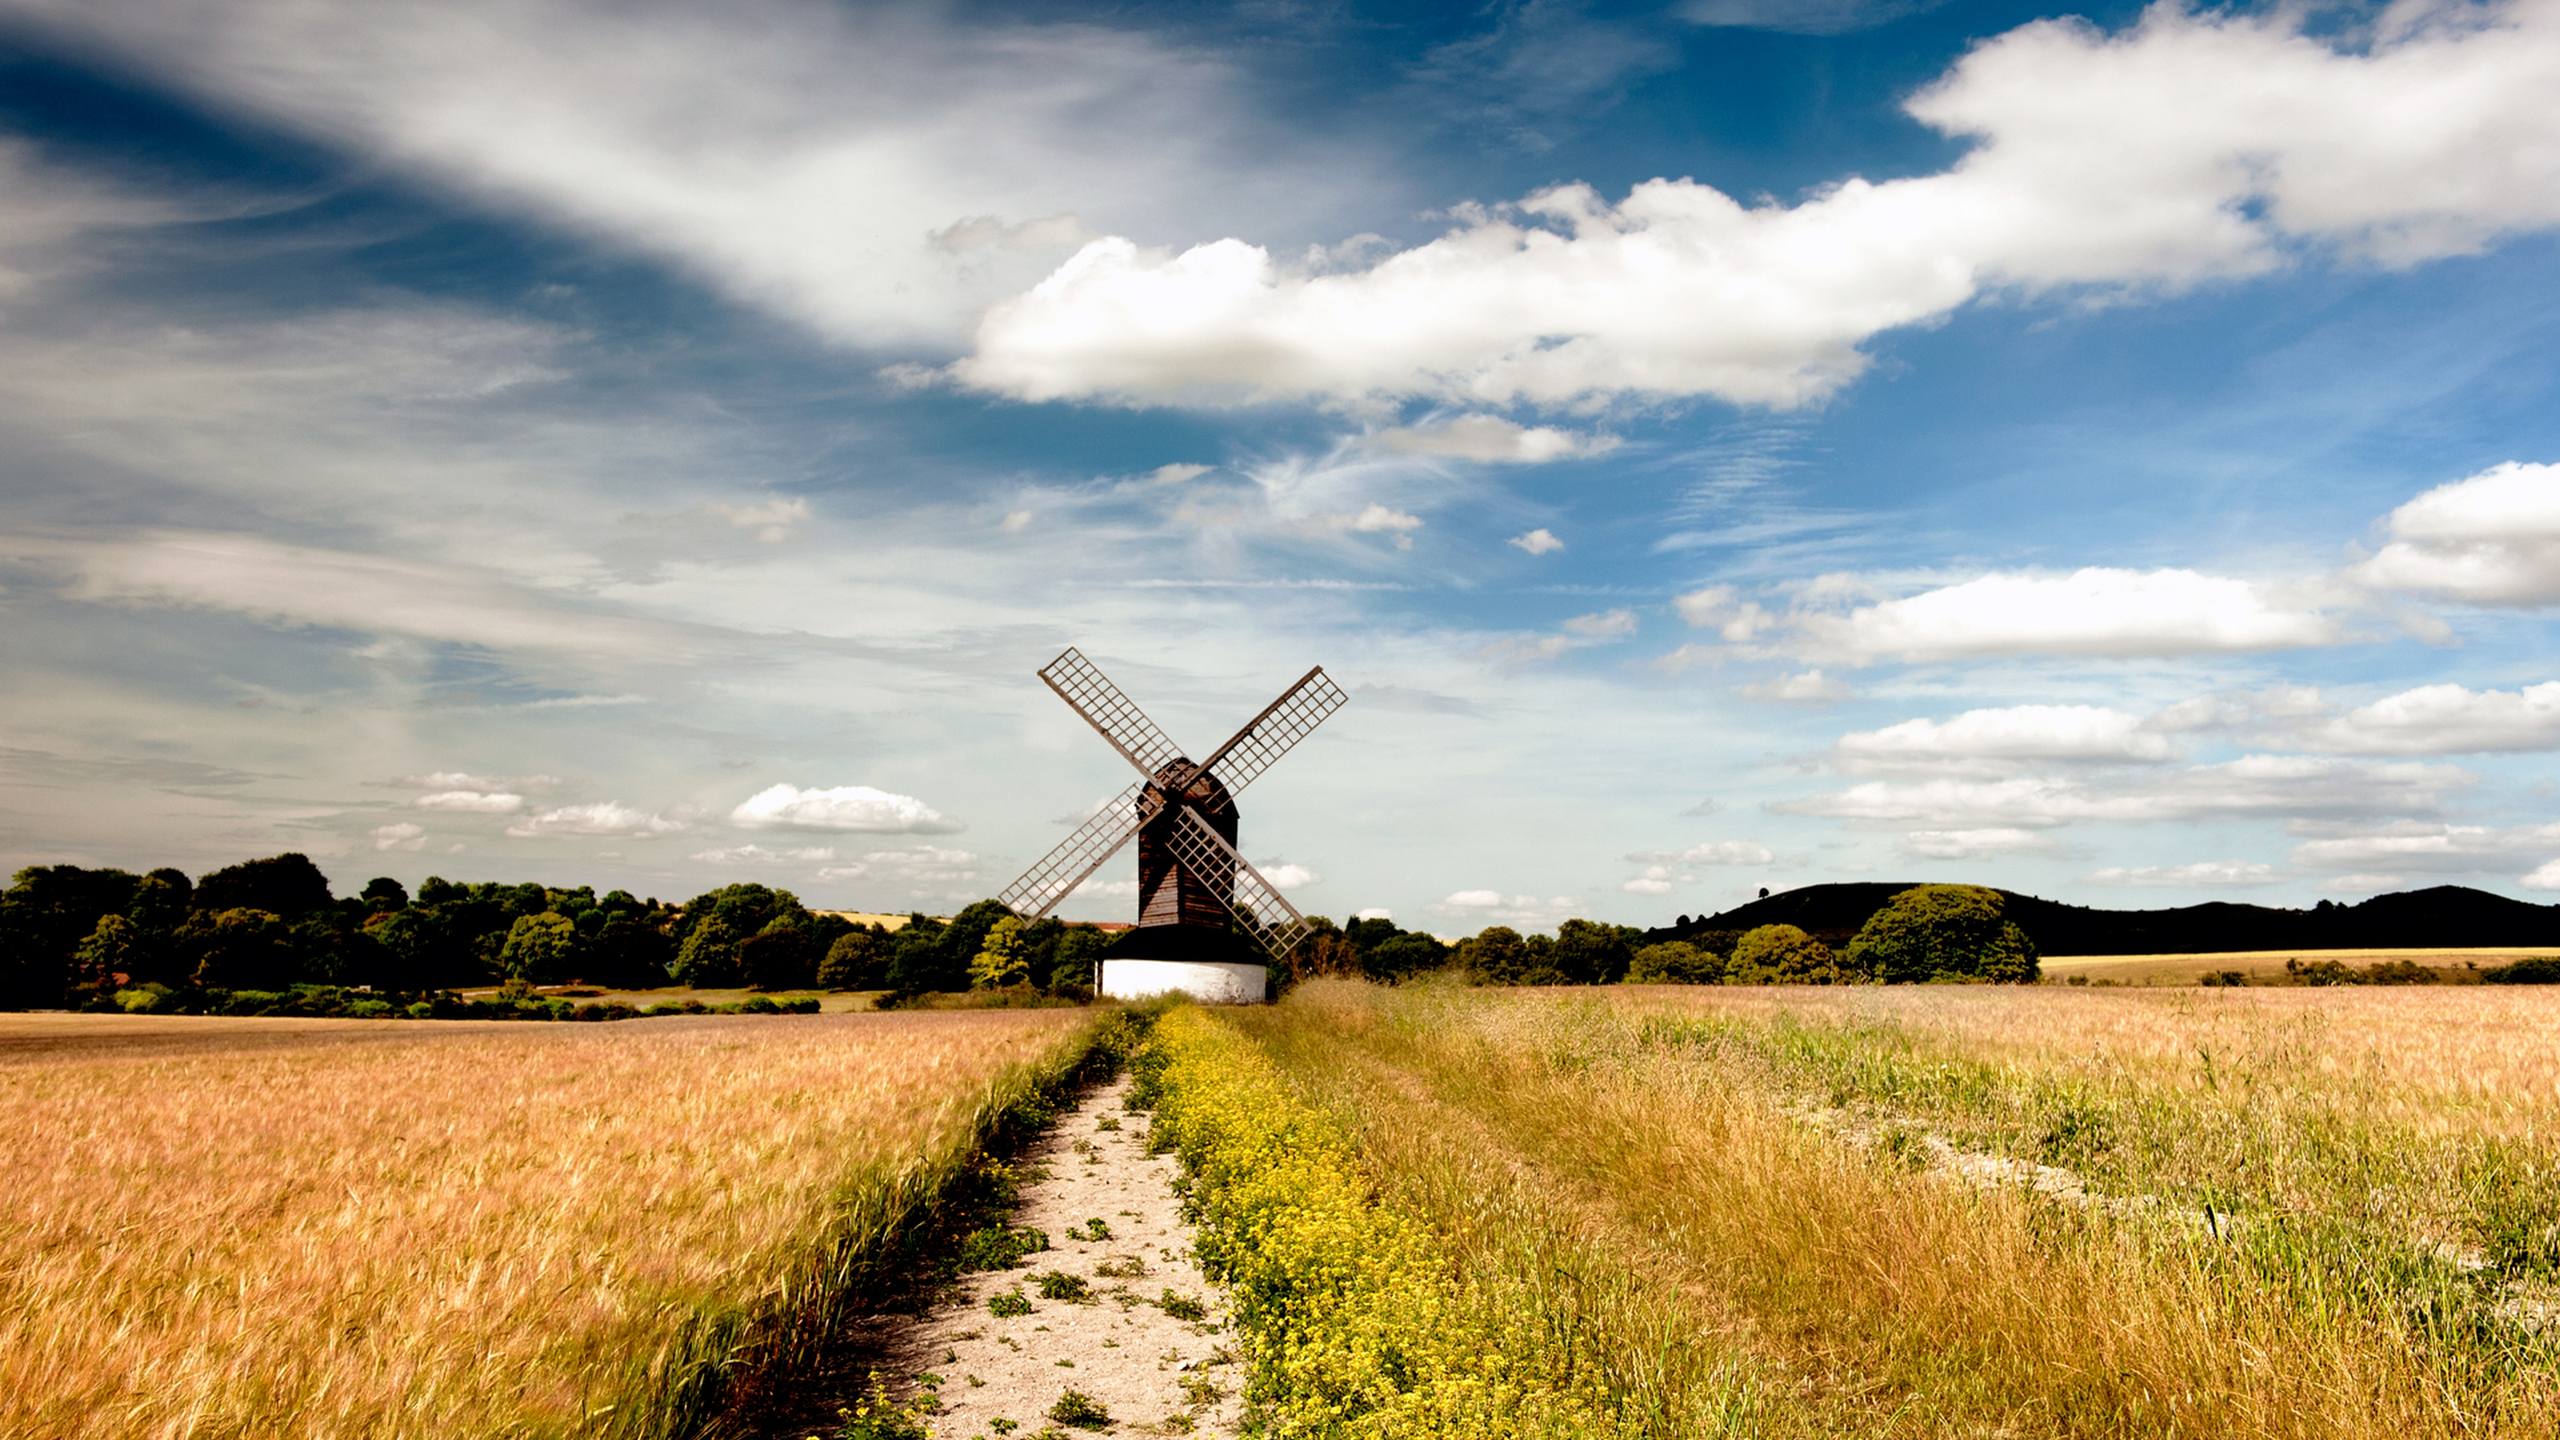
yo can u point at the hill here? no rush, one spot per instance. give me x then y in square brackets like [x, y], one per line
[2442, 916]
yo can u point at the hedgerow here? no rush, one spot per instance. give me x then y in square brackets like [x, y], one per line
[1352, 1321]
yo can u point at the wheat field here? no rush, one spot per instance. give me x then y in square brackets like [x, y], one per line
[291, 1228]
[1964, 1211]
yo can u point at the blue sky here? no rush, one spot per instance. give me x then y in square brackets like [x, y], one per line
[2104, 453]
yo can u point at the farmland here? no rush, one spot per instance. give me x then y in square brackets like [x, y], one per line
[1922, 1212]
[2265, 966]
[237, 1227]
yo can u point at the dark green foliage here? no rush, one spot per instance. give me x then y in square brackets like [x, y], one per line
[238, 949]
[286, 886]
[858, 960]
[1183, 1307]
[384, 893]
[1588, 952]
[923, 957]
[1058, 1285]
[779, 957]
[2226, 979]
[628, 953]
[1942, 932]
[1000, 1247]
[2539, 970]
[543, 948]
[1006, 1304]
[1403, 956]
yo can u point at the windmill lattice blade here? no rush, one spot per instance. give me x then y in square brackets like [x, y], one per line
[1260, 909]
[1281, 725]
[1056, 875]
[1113, 714]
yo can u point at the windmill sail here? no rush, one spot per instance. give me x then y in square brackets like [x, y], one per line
[1056, 875]
[1281, 725]
[1260, 910]
[1109, 711]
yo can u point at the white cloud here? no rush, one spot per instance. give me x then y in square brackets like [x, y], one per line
[1711, 852]
[2367, 884]
[2414, 845]
[1603, 625]
[1720, 608]
[2447, 720]
[1976, 844]
[2014, 733]
[2493, 539]
[770, 519]
[873, 172]
[603, 817]
[1656, 880]
[2089, 612]
[1810, 687]
[2203, 874]
[761, 855]
[474, 802]
[1492, 907]
[1097, 888]
[1493, 440]
[402, 836]
[1178, 473]
[2545, 878]
[2188, 147]
[1474, 899]
[1374, 912]
[2272, 785]
[842, 807]
[1377, 519]
[1541, 541]
[1289, 875]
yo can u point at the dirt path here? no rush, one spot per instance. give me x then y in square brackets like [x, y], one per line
[1126, 1346]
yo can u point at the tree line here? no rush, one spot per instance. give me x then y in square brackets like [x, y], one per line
[105, 938]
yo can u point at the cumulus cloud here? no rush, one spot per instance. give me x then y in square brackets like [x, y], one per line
[2188, 147]
[841, 807]
[1809, 687]
[1541, 541]
[2090, 612]
[1377, 519]
[1710, 852]
[2081, 733]
[762, 855]
[1492, 440]
[921, 865]
[1722, 609]
[603, 817]
[2271, 785]
[2493, 539]
[2415, 845]
[402, 836]
[474, 802]
[2203, 874]
[2447, 720]
[1374, 912]
[1603, 625]
[2545, 878]
[1288, 875]
[1655, 880]
[1178, 473]
[1492, 907]
[1976, 844]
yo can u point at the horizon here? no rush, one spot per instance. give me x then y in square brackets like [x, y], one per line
[1717, 445]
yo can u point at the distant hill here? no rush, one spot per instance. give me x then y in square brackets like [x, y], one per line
[2450, 916]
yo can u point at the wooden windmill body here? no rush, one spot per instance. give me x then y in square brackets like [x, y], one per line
[1209, 924]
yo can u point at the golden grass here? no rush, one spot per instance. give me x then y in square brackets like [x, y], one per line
[2186, 969]
[283, 1228]
[830, 1002]
[2306, 1213]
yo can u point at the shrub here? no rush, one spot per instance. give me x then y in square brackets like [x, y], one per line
[1007, 1304]
[1057, 1285]
[2210, 978]
[1183, 1307]
[1942, 932]
[1782, 955]
[1000, 1247]
[1674, 962]
[1080, 1410]
[145, 1000]
[2538, 970]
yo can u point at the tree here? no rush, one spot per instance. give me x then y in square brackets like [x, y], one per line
[628, 953]
[1942, 932]
[999, 961]
[383, 893]
[1494, 955]
[782, 956]
[112, 956]
[1674, 962]
[708, 958]
[1071, 963]
[919, 961]
[420, 952]
[1591, 953]
[286, 886]
[541, 948]
[1782, 955]
[859, 960]
[1403, 956]
[437, 890]
[238, 949]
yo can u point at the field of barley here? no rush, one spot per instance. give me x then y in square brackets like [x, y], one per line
[1928, 1211]
[290, 1228]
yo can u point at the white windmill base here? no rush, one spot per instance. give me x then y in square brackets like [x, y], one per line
[1216, 981]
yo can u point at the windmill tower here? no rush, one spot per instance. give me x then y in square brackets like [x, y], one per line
[1195, 893]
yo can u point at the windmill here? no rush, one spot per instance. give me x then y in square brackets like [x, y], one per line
[1192, 885]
